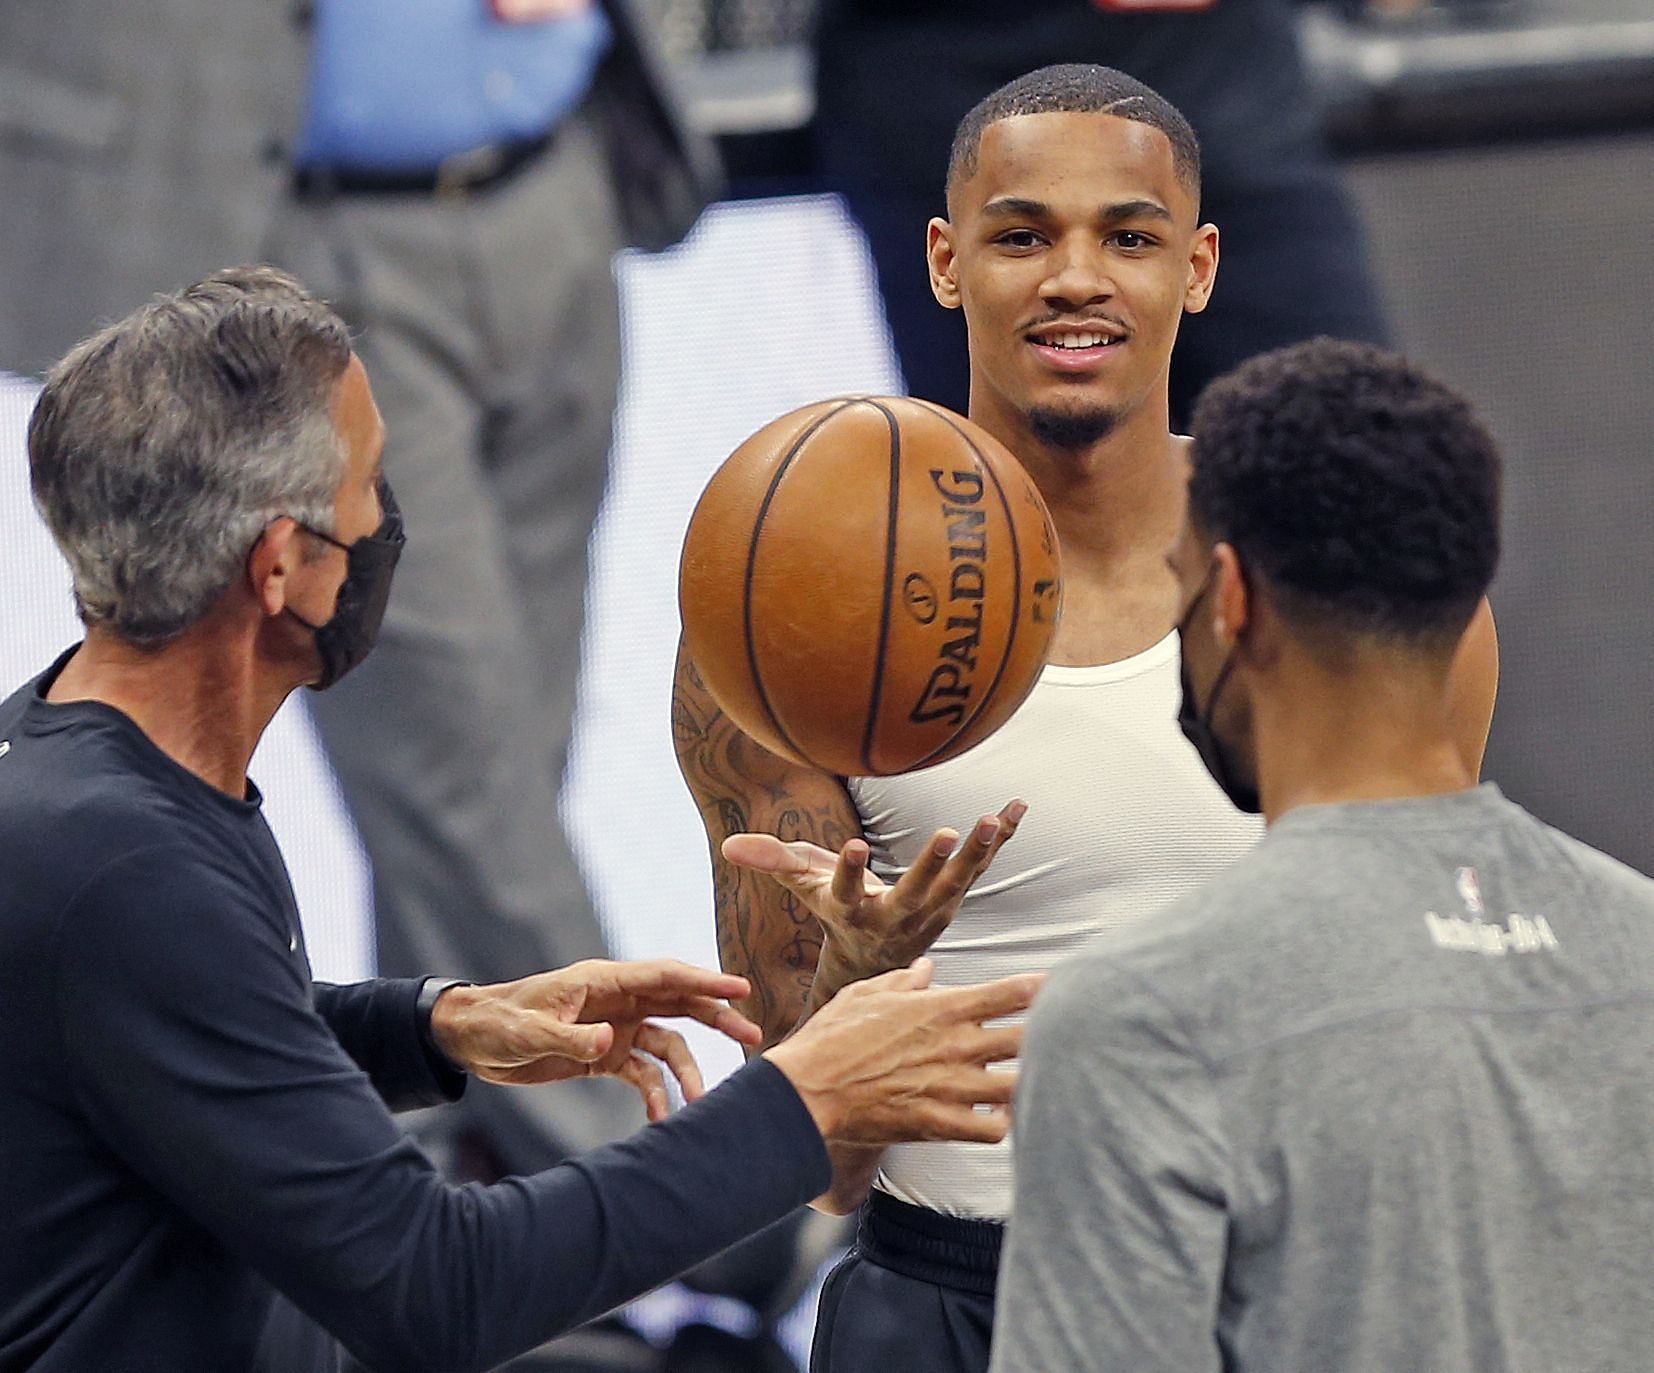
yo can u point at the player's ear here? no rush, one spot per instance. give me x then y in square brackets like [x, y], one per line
[1232, 606]
[944, 285]
[1203, 268]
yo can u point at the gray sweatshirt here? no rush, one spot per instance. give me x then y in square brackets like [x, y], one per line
[1380, 1099]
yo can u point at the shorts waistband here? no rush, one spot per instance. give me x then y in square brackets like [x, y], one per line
[950, 1251]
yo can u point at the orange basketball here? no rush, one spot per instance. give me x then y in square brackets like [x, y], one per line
[870, 585]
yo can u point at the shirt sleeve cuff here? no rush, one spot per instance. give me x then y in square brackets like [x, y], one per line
[449, 1076]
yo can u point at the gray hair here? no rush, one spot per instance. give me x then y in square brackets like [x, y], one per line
[164, 445]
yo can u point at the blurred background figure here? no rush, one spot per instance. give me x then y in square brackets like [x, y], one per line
[465, 173]
[1294, 262]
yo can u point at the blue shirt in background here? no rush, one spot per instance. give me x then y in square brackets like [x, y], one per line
[399, 85]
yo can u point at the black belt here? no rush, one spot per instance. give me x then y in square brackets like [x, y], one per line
[949, 1251]
[476, 169]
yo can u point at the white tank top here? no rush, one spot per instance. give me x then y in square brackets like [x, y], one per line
[1122, 819]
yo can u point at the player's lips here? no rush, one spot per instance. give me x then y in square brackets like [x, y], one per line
[1077, 347]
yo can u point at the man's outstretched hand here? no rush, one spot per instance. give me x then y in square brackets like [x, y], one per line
[591, 1019]
[892, 1059]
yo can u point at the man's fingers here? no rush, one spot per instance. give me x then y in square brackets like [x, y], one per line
[730, 1023]
[913, 978]
[670, 1048]
[645, 1075]
[582, 1043]
[662, 976]
[971, 1086]
[990, 1000]
[943, 1120]
[990, 1044]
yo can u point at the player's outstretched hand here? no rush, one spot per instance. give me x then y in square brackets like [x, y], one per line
[892, 1059]
[592, 1019]
[872, 926]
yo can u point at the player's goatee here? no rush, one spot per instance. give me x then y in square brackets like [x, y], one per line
[1071, 428]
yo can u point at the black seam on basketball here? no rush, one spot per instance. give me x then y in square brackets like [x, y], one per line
[1016, 584]
[752, 564]
[891, 508]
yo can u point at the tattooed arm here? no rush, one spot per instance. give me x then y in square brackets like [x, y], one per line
[801, 851]
[765, 932]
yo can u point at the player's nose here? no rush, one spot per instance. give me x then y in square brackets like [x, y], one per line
[1079, 276]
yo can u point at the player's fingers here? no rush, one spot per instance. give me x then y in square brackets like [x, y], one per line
[967, 862]
[850, 873]
[669, 1046]
[1009, 818]
[646, 1076]
[913, 887]
[766, 853]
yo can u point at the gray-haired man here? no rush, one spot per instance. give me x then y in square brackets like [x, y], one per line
[191, 1126]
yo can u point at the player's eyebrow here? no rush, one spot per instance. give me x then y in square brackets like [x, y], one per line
[1020, 207]
[1016, 207]
[1134, 209]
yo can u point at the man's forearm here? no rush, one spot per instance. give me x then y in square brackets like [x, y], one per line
[548, 1252]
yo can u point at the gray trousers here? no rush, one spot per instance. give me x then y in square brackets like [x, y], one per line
[489, 326]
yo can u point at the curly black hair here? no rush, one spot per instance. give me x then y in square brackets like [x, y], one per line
[1076, 88]
[1365, 492]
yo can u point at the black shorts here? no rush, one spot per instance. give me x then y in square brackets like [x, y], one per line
[914, 1295]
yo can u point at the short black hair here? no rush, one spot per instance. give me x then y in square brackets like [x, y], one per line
[1077, 88]
[1365, 492]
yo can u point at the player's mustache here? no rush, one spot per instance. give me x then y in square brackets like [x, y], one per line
[1068, 317]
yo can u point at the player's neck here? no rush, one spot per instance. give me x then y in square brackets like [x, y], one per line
[1116, 496]
[1367, 732]
[197, 699]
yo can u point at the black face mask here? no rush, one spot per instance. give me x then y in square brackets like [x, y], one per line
[1196, 724]
[351, 632]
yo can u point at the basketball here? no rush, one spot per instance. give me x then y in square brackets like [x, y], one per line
[870, 585]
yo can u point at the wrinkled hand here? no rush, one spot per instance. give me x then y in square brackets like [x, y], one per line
[591, 1019]
[891, 1059]
[872, 926]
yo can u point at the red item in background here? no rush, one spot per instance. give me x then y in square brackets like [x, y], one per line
[537, 11]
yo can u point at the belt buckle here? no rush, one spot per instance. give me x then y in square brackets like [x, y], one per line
[461, 172]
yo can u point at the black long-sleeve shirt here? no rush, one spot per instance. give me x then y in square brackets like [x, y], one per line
[188, 1123]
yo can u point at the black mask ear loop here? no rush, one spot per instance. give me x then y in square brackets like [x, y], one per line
[1196, 723]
